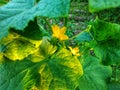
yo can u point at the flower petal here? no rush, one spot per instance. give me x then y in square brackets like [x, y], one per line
[55, 30]
[75, 51]
[59, 32]
[63, 30]
[63, 37]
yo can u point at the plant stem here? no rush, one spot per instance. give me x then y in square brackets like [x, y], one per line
[65, 21]
[114, 71]
[49, 25]
[44, 31]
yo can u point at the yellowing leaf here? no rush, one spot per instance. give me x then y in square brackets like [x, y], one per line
[9, 38]
[37, 43]
[69, 61]
[34, 88]
[45, 50]
[12, 36]
[60, 72]
[59, 32]
[1, 57]
[19, 49]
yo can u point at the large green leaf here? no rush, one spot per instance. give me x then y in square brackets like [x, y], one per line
[32, 31]
[53, 8]
[17, 13]
[96, 5]
[107, 41]
[108, 52]
[2, 47]
[102, 30]
[114, 86]
[18, 75]
[13, 15]
[95, 75]
[118, 74]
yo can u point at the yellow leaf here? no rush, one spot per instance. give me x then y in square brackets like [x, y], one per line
[34, 88]
[1, 57]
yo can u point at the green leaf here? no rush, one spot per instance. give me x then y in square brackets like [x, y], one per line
[118, 75]
[102, 30]
[84, 36]
[13, 15]
[2, 48]
[32, 31]
[108, 52]
[53, 8]
[2, 2]
[114, 86]
[95, 75]
[96, 5]
[17, 13]
[107, 41]
[18, 75]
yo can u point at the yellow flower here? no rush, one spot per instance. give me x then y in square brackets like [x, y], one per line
[75, 51]
[59, 32]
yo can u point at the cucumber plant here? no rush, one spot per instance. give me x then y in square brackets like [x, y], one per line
[36, 58]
